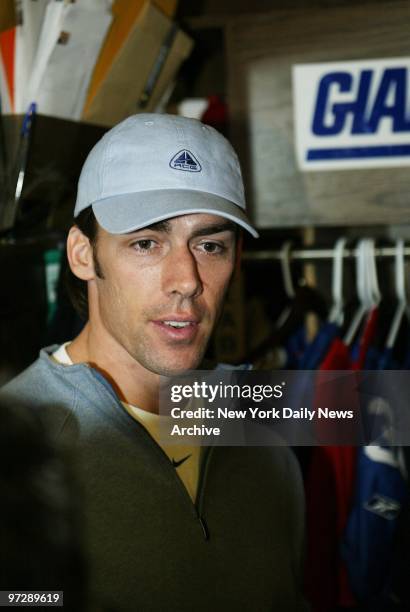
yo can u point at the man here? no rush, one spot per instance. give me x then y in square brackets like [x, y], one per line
[156, 239]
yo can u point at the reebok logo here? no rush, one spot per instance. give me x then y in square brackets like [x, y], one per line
[185, 160]
[383, 506]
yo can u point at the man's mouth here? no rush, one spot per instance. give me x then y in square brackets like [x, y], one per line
[178, 327]
[178, 324]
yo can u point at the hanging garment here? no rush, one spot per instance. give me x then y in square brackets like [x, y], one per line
[381, 492]
[295, 347]
[368, 539]
[377, 347]
[329, 493]
[302, 355]
[398, 591]
[316, 351]
[306, 300]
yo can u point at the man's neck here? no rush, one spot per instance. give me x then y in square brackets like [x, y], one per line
[132, 382]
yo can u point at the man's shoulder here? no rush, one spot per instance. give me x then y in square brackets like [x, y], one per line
[44, 386]
[33, 379]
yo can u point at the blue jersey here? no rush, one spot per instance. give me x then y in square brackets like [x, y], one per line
[368, 539]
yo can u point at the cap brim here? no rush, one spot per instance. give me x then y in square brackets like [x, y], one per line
[132, 211]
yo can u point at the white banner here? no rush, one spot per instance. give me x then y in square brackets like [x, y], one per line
[352, 114]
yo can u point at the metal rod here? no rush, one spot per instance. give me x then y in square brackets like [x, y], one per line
[269, 255]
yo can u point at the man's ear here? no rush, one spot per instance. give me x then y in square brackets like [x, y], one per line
[80, 254]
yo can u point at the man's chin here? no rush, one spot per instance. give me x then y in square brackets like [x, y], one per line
[175, 366]
[175, 370]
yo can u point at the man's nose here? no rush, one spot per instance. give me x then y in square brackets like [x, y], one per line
[181, 274]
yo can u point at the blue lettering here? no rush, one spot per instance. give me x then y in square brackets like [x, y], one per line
[394, 81]
[341, 110]
[344, 80]
[359, 125]
[390, 102]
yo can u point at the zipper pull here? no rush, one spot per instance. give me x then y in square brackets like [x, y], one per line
[204, 527]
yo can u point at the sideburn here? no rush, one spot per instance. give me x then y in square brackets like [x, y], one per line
[97, 265]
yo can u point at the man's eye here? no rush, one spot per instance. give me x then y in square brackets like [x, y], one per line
[213, 247]
[143, 245]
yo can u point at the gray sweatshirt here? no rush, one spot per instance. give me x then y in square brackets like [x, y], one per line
[150, 548]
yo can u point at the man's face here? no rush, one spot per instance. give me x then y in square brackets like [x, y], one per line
[163, 288]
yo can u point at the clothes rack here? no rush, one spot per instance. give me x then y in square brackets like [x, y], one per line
[318, 253]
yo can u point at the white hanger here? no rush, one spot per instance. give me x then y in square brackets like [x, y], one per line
[400, 285]
[287, 282]
[336, 314]
[371, 274]
[367, 285]
[359, 314]
[285, 254]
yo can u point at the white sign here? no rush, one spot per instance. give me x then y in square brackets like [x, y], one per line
[352, 114]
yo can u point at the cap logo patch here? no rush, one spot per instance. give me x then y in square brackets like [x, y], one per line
[185, 160]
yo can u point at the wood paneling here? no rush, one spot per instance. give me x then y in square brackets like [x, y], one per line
[261, 51]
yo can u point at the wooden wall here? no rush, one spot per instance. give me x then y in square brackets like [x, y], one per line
[261, 49]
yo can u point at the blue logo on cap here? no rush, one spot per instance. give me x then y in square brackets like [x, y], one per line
[185, 160]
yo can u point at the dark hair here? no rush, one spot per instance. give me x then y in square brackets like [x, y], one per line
[77, 288]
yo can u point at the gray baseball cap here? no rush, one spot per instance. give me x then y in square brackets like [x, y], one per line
[152, 167]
